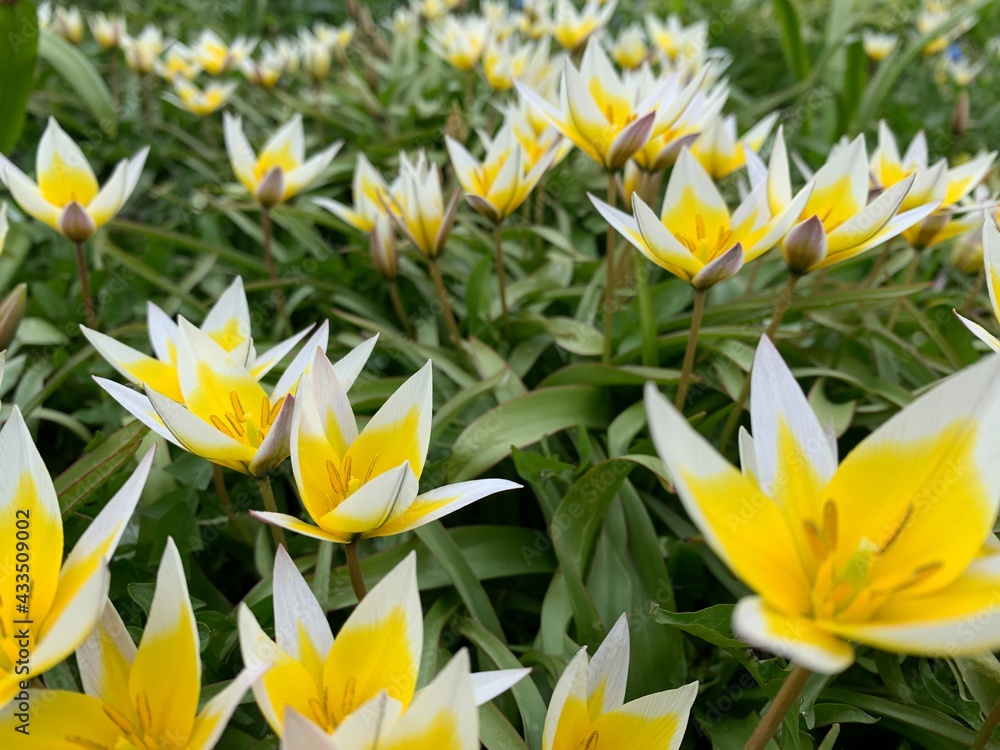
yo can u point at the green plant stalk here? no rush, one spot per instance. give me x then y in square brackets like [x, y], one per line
[354, 569]
[321, 574]
[986, 730]
[88, 300]
[446, 311]
[501, 275]
[780, 308]
[692, 346]
[780, 706]
[397, 305]
[911, 271]
[647, 313]
[271, 506]
[609, 281]
[227, 503]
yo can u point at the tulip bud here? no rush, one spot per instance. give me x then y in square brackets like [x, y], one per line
[720, 269]
[12, 313]
[960, 117]
[383, 247]
[75, 223]
[271, 190]
[929, 229]
[804, 247]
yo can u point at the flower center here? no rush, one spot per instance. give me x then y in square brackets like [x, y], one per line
[249, 429]
[343, 480]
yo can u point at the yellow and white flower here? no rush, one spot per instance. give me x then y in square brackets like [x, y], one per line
[108, 30]
[365, 484]
[136, 697]
[459, 41]
[226, 415]
[504, 62]
[266, 70]
[434, 10]
[630, 48]
[227, 324]
[335, 37]
[721, 153]
[839, 219]
[935, 182]
[695, 237]
[4, 225]
[500, 183]
[177, 63]
[442, 717]
[281, 169]
[202, 101]
[962, 70]
[607, 116]
[68, 23]
[217, 57]
[315, 56]
[572, 28]
[371, 196]
[67, 195]
[382, 244]
[878, 46]
[331, 681]
[675, 41]
[417, 206]
[589, 703]
[894, 548]
[991, 262]
[143, 51]
[59, 603]
[535, 135]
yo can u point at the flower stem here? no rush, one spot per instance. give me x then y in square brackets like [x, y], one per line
[449, 316]
[501, 276]
[780, 308]
[227, 504]
[782, 702]
[321, 575]
[647, 314]
[88, 301]
[911, 271]
[986, 730]
[609, 281]
[354, 568]
[272, 271]
[692, 346]
[397, 305]
[271, 506]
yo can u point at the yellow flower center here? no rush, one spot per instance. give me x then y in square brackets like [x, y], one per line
[135, 734]
[344, 481]
[700, 246]
[249, 429]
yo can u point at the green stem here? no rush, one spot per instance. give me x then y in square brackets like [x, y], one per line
[780, 308]
[321, 575]
[692, 346]
[647, 313]
[354, 569]
[501, 276]
[397, 305]
[986, 730]
[782, 702]
[609, 281]
[227, 504]
[271, 506]
[88, 300]
[449, 316]
[911, 271]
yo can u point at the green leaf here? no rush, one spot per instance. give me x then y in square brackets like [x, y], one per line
[19, 31]
[79, 72]
[792, 45]
[94, 468]
[496, 732]
[523, 421]
[825, 714]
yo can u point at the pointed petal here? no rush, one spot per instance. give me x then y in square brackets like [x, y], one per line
[212, 719]
[376, 503]
[300, 365]
[139, 406]
[135, 366]
[608, 672]
[196, 435]
[263, 363]
[435, 504]
[105, 660]
[657, 720]
[300, 624]
[228, 322]
[488, 685]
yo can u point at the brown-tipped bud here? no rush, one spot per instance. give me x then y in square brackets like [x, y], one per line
[12, 313]
[929, 229]
[720, 269]
[383, 248]
[960, 117]
[804, 247]
[271, 190]
[75, 223]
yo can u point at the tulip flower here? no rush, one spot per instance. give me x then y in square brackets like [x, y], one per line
[459, 41]
[442, 717]
[335, 37]
[227, 324]
[264, 72]
[142, 52]
[886, 549]
[433, 10]
[878, 46]
[12, 308]
[108, 31]
[839, 200]
[67, 195]
[145, 697]
[361, 485]
[937, 182]
[60, 602]
[573, 28]
[202, 101]
[588, 706]
[316, 59]
[225, 414]
[382, 242]
[721, 153]
[371, 196]
[991, 261]
[216, 57]
[674, 40]
[68, 23]
[607, 116]
[630, 49]
[330, 681]
[502, 64]
[178, 63]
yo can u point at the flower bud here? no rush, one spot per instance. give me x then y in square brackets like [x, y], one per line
[271, 190]
[804, 247]
[75, 223]
[960, 117]
[12, 313]
[383, 247]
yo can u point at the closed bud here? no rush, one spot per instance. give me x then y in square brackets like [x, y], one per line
[929, 229]
[383, 248]
[804, 247]
[12, 313]
[271, 190]
[75, 223]
[960, 117]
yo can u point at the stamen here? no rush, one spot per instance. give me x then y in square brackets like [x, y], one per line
[335, 480]
[235, 423]
[830, 525]
[265, 410]
[347, 470]
[894, 535]
[348, 703]
[815, 540]
[145, 715]
[237, 406]
[699, 226]
[221, 426]
[592, 741]
[118, 719]
[371, 468]
[273, 414]
[319, 712]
